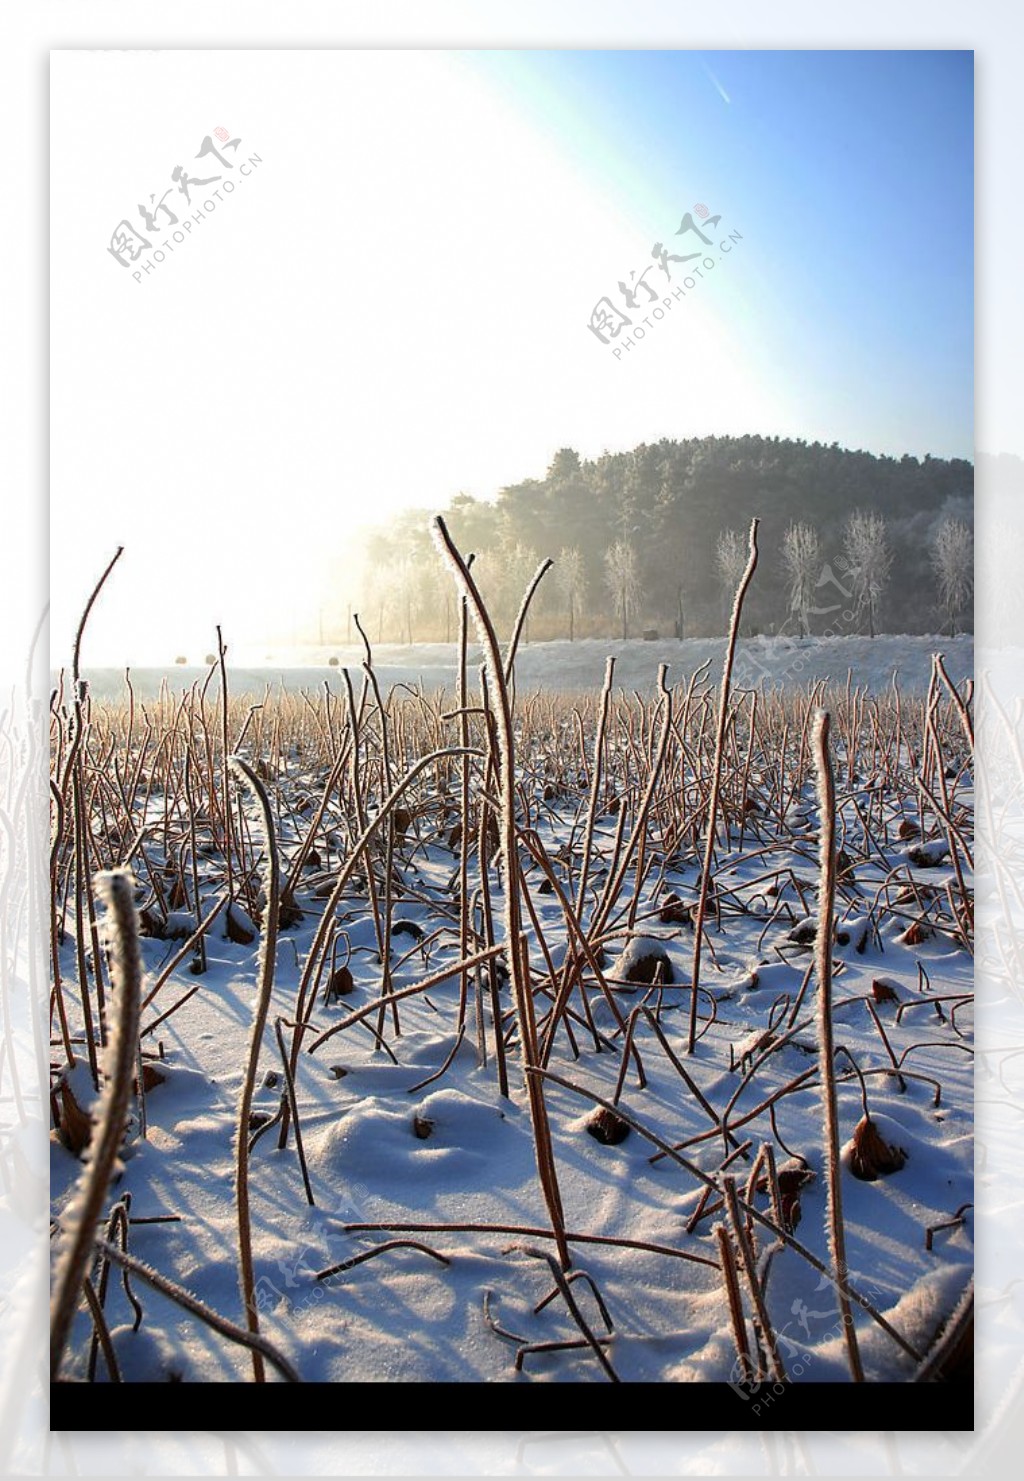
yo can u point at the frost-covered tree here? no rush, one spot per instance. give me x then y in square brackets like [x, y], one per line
[953, 564]
[518, 567]
[440, 596]
[730, 563]
[622, 575]
[407, 584]
[571, 578]
[375, 601]
[866, 545]
[503, 574]
[801, 561]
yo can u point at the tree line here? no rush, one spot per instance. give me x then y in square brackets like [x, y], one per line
[654, 541]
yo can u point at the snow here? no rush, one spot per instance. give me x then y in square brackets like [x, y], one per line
[426, 1139]
[783, 661]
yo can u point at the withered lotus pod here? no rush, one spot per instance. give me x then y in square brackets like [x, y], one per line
[607, 1128]
[870, 1155]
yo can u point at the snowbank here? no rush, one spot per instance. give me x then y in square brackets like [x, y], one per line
[779, 661]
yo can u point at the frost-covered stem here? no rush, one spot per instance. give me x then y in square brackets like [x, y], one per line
[927, 756]
[629, 1047]
[304, 998]
[193, 850]
[58, 982]
[745, 783]
[257, 1343]
[716, 781]
[538, 931]
[169, 968]
[521, 616]
[265, 984]
[849, 712]
[225, 800]
[97, 1032]
[76, 651]
[690, 1083]
[748, 1260]
[210, 773]
[617, 873]
[464, 770]
[580, 951]
[513, 904]
[766, 1158]
[289, 1080]
[730, 1280]
[381, 915]
[708, 1181]
[84, 1209]
[384, 931]
[485, 954]
[101, 1330]
[486, 902]
[117, 1227]
[595, 787]
[944, 809]
[826, 1044]
[960, 703]
[299, 860]
[360, 810]
[814, 699]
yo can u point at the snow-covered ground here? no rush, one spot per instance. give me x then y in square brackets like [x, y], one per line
[785, 662]
[407, 1134]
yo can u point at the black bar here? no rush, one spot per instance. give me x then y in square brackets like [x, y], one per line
[697, 1407]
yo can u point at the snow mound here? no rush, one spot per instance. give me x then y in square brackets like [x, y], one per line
[445, 1140]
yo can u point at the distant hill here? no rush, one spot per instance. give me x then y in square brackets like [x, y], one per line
[670, 501]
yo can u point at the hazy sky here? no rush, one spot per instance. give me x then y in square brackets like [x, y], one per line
[392, 304]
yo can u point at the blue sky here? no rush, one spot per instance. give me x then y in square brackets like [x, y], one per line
[852, 174]
[396, 306]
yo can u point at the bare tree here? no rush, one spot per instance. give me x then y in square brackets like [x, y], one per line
[730, 562]
[571, 576]
[801, 560]
[407, 585]
[622, 574]
[866, 544]
[503, 572]
[953, 564]
[439, 598]
[518, 564]
[376, 591]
